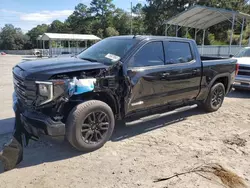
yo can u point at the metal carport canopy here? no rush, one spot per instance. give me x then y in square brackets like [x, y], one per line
[202, 17]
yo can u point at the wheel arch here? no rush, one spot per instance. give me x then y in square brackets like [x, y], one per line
[109, 99]
[225, 79]
[104, 96]
[222, 78]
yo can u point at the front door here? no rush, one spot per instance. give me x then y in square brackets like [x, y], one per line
[145, 71]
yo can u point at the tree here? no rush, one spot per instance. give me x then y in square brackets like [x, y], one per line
[12, 38]
[81, 20]
[110, 31]
[103, 12]
[58, 27]
[138, 19]
[121, 21]
[35, 32]
[157, 12]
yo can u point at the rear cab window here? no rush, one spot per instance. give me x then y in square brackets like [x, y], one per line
[177, 52]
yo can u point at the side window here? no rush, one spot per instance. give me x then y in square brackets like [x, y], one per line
[149, 55]
[178, 52]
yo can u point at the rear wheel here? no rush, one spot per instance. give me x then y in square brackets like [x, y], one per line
[90, 125]
[215, 98]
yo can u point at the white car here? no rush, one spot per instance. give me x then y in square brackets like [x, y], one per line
[242, 80]
[36, 52]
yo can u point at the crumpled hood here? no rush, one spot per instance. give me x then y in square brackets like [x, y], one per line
[45, 68]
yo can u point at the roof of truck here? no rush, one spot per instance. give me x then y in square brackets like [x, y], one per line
[150, 37]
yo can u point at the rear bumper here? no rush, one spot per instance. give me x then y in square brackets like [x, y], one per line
[242, 82]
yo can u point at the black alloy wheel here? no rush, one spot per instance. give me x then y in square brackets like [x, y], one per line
[90, 125]
[215, 98]
[218, 96]
[95, 127]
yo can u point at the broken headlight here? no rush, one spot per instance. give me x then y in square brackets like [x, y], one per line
[45, 91]
[51, 90]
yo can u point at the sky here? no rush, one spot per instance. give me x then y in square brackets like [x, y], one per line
[26, 14]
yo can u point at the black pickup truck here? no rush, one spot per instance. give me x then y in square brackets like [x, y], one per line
[81, 97]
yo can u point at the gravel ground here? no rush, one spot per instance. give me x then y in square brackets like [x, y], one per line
[136, 155]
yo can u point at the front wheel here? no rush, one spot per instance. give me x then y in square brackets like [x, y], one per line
[215, 98]
[90, 125]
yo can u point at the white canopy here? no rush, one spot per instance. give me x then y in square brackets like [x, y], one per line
[67, 37]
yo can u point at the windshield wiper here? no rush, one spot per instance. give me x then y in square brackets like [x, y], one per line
[89, 59]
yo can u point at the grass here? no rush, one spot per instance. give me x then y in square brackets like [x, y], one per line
[228, 178]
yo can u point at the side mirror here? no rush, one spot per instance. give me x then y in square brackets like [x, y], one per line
[130, 73]
[231, 55]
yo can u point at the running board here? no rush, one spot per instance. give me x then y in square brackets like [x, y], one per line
[156, 116]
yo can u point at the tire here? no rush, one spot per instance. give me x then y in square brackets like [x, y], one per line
[84, 125]
[215, 98]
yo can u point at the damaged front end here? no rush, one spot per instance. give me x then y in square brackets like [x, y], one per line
[48, 109]
[30, 122]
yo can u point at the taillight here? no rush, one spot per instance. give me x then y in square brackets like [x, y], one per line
[237, 69]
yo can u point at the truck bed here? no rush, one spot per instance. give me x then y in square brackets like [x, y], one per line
[207, 58]
[222, 64]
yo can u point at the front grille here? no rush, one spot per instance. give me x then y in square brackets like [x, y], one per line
[244, 70]
[244, 73]
[25, 90]
[244, 67]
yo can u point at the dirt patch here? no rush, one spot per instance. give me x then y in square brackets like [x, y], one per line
[240, 142]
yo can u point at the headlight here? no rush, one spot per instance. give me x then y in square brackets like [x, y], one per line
[45, 90]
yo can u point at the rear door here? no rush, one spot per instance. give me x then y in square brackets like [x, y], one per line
[182, 82]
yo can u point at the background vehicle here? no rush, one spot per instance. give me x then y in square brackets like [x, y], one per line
[117, 78]
[36, 52]
[242, 80]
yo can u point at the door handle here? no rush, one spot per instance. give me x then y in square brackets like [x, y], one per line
[165, 74]
[195, 71]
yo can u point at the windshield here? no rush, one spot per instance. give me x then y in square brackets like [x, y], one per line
[108, 50]
[245, 52]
